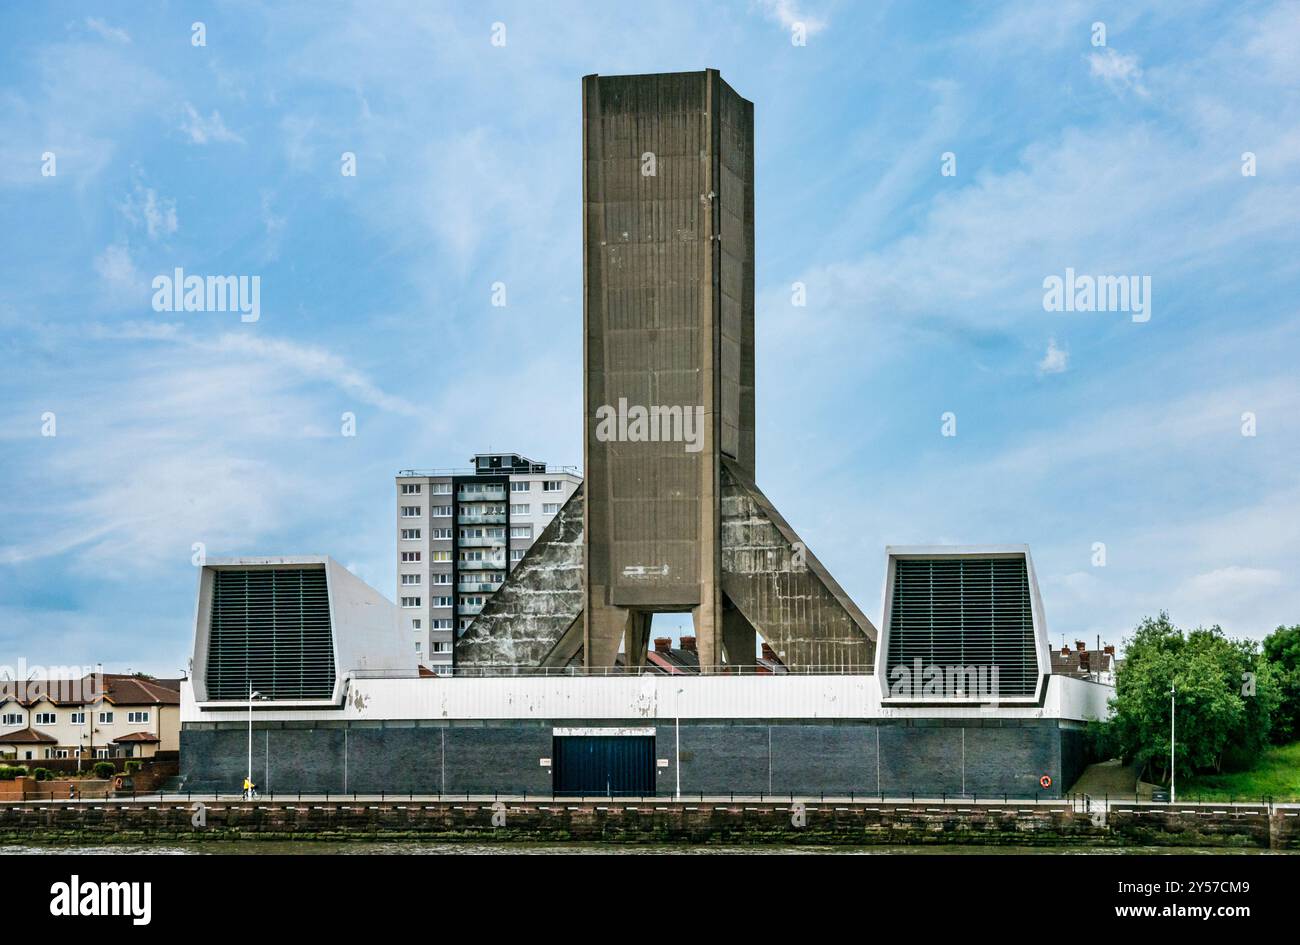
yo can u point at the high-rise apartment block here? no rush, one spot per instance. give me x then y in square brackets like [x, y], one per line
[459, 532]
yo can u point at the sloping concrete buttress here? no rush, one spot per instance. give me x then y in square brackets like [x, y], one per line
[526, 621]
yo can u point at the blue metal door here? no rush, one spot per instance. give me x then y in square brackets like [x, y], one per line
[608, 765]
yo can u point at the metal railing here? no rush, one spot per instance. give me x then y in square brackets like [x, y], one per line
[535, 470]
[919, 802]
[599, 671]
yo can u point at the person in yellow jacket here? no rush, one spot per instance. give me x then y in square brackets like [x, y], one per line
[248, 788]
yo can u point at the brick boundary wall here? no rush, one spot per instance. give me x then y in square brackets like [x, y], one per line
[648, 821]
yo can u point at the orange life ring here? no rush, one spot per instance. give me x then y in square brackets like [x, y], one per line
[1045, 781]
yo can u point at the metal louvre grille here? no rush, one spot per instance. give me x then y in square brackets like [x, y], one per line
[271, 629]
[968, 613]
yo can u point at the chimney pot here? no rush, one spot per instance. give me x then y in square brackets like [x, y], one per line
[688, 643]
[1109, 649]
[663, 644]
[1081, 646]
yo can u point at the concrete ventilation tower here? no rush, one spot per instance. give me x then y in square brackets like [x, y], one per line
[669, 518]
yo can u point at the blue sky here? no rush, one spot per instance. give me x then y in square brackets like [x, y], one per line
[924, 291]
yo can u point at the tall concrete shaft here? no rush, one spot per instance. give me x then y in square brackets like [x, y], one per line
[668, 329]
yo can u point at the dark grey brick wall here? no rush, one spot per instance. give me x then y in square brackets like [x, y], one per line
[395, 760]
[838, 759]
[980, 756]
[503, 759]
[719, 759]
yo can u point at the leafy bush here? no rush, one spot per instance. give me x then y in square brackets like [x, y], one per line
[132, 766]
[105, 769]
[43, 774]
[1282, 647]
[9, 772]
[1227, 692]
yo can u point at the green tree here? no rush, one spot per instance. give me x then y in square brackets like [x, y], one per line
[1282, 649]
[1225, 694]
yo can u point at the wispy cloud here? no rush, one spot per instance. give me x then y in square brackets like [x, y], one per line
[789, 13]
[1117, 70]
[1054, 360]
[112, 33]
[202, 130]
[156, 214]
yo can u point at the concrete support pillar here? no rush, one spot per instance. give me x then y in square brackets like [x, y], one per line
[636, 640]
[738, 638]
[605, 628]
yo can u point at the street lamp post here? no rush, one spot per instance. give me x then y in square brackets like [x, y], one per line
[677, 738]
[251, 696]
[1173, 796]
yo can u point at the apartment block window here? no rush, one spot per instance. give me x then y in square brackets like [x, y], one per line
[440, 556]
[442, 602]
[137, 717]
[106, 718]
[516, 554]
[415, 623]
[78, 718]
[440, 511]
[464, 623]
[410, 602]
[550, 508]
[441, 646]
[417, 649]
[441, 533]
[410, 579]
[520, 485]
[410, 511]
[442, 579]
[44, 718]
[12, 718]
[440, 488]
[410, 534]
[410, 488]
[409, 556]
[520, 509]
[521, 531]
[440, 625]
[496, 533]
[552, 485]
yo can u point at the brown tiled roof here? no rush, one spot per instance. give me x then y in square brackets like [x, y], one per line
[132, 690]
[27, 736]
[146, 737]
[119, 689]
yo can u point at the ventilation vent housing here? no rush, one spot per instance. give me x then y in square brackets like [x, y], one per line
[968, 616]
[270, 631]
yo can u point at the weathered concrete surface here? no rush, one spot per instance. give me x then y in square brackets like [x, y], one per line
[525, 622]
[668, 324]
[782, 590]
